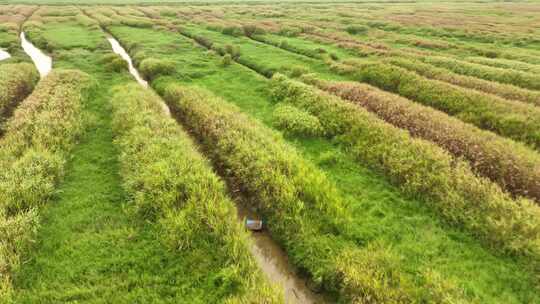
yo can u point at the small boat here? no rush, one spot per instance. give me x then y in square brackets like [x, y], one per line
[254, 225]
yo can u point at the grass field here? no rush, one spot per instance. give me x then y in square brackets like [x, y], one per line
[392, 151]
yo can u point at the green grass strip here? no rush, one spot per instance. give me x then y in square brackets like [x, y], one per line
[508, 118]
[500, 89]
[515, 167]
[423, 170]
[522, 79]
[33, 153]
[171, 183]
[304, 212]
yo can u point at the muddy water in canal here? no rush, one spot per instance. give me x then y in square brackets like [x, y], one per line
[270, 258]
[274, 263]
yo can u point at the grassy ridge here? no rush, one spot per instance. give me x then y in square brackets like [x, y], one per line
[33, 153]
[91, 248]
[462, 34]
[505, 64]
[518, 78]
[232, 51]
[404, 244]
[500, 118]
[16, 82]
[413, 255]
[421, 169]
[283, 44]
[512, 165]
[265, 59]
[460, 45]
[294, 121]
[499, 89]
[511, 119]
[171, 183]
[303, 210]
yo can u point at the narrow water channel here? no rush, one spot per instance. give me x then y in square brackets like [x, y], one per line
[42, 62]
[271, 259]
[274, 263]
[118, 49]
[4, 55]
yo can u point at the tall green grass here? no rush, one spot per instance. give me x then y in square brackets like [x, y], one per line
[172, 184]
[423, 170]
[505, 64]
[502, 90]
[518, 78]
[400, 254]
[33, 152]
[303, 210]
[246, 61]
[508, 118]
[152, 67]
[313, 53]
[16, 82]
[515, 167]
[297, 122]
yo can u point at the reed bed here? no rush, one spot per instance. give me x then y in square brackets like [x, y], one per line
[508, 118]
[304, 211]
[423, 170]
[17, 81]
[500, 89]
[513, 166]
[33, 154]
[506, 64]
[522, 79]
[172, 184]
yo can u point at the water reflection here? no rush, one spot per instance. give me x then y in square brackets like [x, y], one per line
[118, 49]
[274, 263]
[4, 55]
[42, 62]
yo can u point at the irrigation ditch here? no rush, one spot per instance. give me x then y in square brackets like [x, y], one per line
[270, 257]
[4, 55]
[42, 62]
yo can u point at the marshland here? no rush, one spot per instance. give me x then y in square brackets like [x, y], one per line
[390, 149]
